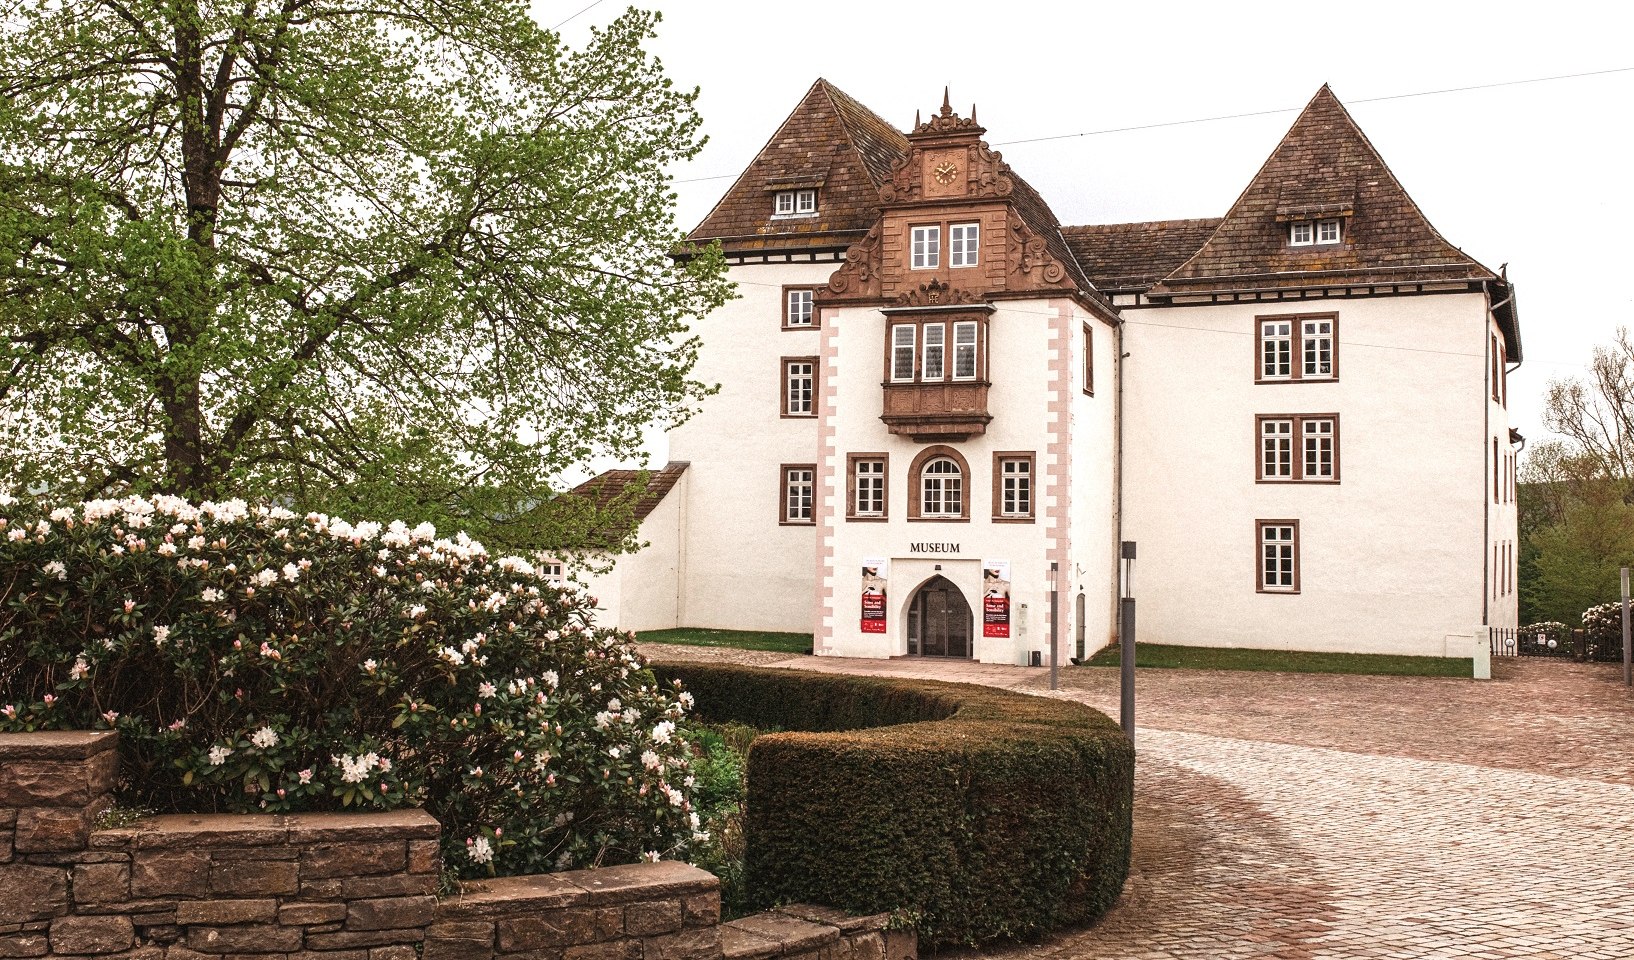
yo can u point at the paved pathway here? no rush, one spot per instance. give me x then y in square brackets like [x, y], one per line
[1308, 816]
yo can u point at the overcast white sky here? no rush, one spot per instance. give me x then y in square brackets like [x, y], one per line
[1535, 175]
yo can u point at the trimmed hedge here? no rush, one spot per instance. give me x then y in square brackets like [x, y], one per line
[980, 813]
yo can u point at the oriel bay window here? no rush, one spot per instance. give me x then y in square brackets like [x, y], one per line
[938, 485]
[1289, 349]
[1278, 542]
[1013, 487]
[799, 387]
[798, 482]
[1297, 448]
[868, 484]
[930, 395]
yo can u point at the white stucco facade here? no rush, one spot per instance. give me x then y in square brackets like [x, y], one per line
[1137, 399]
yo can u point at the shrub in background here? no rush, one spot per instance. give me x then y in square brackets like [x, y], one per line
[978, 813]
[253, 660]
[1603, 630]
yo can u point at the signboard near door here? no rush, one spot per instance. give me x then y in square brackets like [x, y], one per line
[995, 598]
[875, 574]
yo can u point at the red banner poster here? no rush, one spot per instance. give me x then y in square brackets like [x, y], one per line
[995, 598]
[874, 576]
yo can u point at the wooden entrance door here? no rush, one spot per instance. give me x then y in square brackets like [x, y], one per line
[940, 622]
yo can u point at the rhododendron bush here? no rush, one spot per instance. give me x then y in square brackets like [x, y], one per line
[253, 660]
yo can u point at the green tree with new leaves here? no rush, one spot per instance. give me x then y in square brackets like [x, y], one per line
[409, 258]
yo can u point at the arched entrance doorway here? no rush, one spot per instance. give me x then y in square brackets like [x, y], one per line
[940, 623]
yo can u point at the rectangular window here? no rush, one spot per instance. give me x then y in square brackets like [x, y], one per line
[805, 201]
[799, 386]
[1307, 233]
[902, 338]
[1013, 486]
[867, 486]
[1276, 349]
[1089, 360]
[1278, 542]
[1316, 344]
[965, 334]
[783, 206]
[1296, 348]
[797, 312]
[1327, 231]
[1276, 449]
[799, 485]
[1301, 234]
[1495, 365]
[926, 251]
[553, 572]
[935, 344]
[1296, 448]
[964, 238]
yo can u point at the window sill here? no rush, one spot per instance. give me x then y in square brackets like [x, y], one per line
[1014, 519]
[938, 519]
[797, 523]
[1299, 483]
[795, 216]
[1269, 380]
[797, 416]
[1280, 591]
[850, 519]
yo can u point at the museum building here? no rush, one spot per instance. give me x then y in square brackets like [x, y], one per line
[937, 403]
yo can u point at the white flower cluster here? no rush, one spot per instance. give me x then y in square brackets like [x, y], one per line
[357, 769]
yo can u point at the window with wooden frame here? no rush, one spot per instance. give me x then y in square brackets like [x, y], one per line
[925, 245]
[918, 351]
[799, 390]
[1497, 367]
[867, 485]
[964, 239]
[797, 486]
[1278, 548]
[1089, 360]
[1297, 448]
[795, 203]
[1306, 233]
[1296, 348]
[1013, 486]
[939, 485]
[797, 308]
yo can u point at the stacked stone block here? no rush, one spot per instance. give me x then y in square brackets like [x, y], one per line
[330, 886]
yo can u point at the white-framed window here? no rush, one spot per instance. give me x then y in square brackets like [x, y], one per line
[1307, 233]
[1276, 449]
[1320, 461]
[1278, 555]
[941, 489]
[1297, 348]
[935, 349]
[965, 334]
[799, 386]
[1276, 349]
[554, 573]
[963, 241]
[1015, 486]
[1298, 447]
[797, 308]
[799, 482]
[926, 244]
[869, 477]
[902, 342]
[794, 203]
[1316, 344]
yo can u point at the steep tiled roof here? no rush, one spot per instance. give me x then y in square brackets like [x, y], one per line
[830, 142]
[604, 488]
[1041, 220]
[1326, 167]
[1124, 256]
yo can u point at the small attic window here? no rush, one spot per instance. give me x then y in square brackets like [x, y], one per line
[1306, 233]
[795, 203]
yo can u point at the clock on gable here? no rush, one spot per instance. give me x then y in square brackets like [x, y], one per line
[945, 172]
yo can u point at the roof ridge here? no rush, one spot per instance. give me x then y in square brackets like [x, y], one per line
[1136, 223]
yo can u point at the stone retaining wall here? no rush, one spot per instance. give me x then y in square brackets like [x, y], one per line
[336, 887]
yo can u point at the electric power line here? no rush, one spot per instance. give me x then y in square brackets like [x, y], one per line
[1257, 113]
[591, 7]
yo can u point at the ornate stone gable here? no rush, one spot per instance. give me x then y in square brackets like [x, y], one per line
[950, 178]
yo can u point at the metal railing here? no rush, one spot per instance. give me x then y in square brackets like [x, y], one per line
[1557, 643]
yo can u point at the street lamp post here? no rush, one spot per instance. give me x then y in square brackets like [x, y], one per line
[1126, 640]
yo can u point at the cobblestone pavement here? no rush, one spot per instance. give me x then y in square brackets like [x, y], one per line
[1315, 816]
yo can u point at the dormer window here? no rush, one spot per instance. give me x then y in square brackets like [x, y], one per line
[1307, 233]
[795, 203]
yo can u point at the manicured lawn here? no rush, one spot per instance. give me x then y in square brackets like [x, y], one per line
[1286, 661]
[740, 639]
